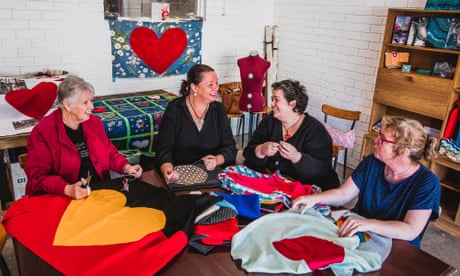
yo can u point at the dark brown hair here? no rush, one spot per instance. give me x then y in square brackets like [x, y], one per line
[194, 76]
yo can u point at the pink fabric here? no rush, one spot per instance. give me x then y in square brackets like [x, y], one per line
[340, 137]
[316, 252]
[53, 161]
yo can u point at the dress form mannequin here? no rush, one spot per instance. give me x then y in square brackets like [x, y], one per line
[252, 72]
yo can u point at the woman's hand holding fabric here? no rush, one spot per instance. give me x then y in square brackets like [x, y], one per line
[303, 203]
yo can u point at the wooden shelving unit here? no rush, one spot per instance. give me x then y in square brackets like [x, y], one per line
[426, 98]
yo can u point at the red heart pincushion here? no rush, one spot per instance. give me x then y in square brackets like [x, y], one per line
[33, 102]
[158, 53]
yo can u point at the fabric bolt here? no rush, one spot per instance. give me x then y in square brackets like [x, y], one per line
[383, 200]
[452, 122]
[306, 248]
[253, 245]
[311, 139]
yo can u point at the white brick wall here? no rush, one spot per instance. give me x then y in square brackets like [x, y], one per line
[333, 48]
[330, 46]
[72, 35]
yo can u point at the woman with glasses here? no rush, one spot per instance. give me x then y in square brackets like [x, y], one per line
[396, 194]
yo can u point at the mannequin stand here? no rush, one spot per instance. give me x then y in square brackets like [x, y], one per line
[258, 116]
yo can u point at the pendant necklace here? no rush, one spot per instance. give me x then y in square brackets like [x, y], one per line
[199, 121]
[287, 129]
[390, 176]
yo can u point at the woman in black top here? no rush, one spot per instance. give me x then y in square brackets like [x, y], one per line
[292, 141]
[195, 127]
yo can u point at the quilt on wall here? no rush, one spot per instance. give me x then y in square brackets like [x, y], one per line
[143, 49]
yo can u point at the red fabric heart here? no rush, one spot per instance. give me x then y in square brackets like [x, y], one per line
[158, 53]
[316, 252]
[33, 102]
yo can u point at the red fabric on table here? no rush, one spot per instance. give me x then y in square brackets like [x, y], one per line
[217, 233]
[272, 184]
[34, 220]
[316, 252]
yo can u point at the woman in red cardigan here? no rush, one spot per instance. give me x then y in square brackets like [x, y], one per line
[70, 144]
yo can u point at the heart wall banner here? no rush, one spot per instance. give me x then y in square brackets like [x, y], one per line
[152, 49]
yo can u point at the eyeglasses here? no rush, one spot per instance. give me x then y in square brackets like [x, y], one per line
[381, 140]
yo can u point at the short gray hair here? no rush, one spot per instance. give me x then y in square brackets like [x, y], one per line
[70, 87]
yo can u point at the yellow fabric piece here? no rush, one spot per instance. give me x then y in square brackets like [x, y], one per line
[103, 219]
[2, 236]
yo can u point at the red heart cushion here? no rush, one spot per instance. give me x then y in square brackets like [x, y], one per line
[33, 102]
[158, 53]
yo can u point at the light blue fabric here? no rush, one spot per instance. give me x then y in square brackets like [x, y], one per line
[253, 244]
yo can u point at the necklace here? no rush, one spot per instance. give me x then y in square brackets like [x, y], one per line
[199, 121]
[288, 135]
[390, 176]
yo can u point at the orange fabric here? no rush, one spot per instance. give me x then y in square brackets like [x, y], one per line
[2, 237]
[103, 219]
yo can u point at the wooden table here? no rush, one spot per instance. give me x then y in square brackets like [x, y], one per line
[404, 259]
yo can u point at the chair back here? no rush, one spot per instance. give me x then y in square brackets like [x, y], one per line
[345, 114]
[342, 140]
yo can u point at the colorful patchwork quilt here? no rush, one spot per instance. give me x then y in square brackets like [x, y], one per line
[132, 123]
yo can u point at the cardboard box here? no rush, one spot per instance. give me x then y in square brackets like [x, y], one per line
[18, 180]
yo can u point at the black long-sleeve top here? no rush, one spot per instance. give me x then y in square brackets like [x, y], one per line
[311, 139]
[180, 142]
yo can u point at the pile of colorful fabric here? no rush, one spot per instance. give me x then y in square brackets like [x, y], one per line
[270, 188]
[449, 149]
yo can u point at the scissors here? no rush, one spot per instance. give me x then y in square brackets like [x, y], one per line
[85, 183]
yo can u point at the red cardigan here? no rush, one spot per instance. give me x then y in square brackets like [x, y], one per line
[53, 161]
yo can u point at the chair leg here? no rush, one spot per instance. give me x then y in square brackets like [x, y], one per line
[345, 153]
[4, 267]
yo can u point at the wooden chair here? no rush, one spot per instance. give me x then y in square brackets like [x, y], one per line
[343, 114]
[3, 265]
[235, 112]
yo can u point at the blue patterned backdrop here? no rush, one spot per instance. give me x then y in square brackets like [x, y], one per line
[126, 64]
